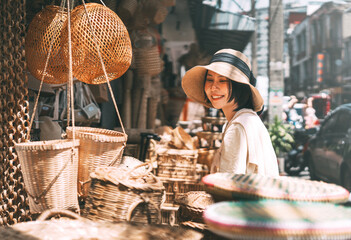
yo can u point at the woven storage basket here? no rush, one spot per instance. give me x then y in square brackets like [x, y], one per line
[177, 187]
[44, 31]
[177, 164]
[120, 194]
[113, 40]
[50, 173]
[98, 147]
[72, 226]
[148, 61]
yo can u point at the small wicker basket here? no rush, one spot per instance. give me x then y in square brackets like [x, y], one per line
[50, 173]
[177, 164]
[99, 147]
[118, 194]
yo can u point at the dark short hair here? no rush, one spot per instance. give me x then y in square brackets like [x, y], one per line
[242, 94]
[240, 91]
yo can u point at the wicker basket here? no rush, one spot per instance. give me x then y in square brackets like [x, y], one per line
[177, 164]
[50, 173]
[120, 194]
[113, 40]
[99, 147]
[176, 188]
[44, 31]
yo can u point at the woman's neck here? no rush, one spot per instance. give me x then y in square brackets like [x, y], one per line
[229, 111]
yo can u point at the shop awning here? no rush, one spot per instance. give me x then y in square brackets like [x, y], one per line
[216, 29]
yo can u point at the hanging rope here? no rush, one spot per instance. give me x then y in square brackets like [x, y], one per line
[103, 67]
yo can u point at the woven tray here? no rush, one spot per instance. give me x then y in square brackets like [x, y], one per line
[75, 227]
[278, 219]
[227, 186]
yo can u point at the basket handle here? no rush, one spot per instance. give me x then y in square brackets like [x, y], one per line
[147, 201]
[52, 212]
[113, 162]
[144, 174]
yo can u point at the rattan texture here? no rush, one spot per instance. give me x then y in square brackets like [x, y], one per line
[50, 173]
[14, 109]
[98, 147]
[148, 61]
[44, 33]
[228, 186]
[118, 195]
[112, 39]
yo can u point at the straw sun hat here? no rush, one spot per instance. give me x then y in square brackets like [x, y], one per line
[226, 62]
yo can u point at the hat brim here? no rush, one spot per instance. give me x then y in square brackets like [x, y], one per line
[193, 82]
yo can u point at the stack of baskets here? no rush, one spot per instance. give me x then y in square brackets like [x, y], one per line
[117, 194]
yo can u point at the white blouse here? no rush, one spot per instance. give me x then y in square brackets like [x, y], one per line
[246, 146]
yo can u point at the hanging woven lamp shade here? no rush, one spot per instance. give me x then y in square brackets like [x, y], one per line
[44, 31]
[112, 38]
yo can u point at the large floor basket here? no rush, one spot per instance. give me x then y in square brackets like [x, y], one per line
[50, 173]
[99, 147]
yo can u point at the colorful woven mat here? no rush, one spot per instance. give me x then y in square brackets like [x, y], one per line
[228, 186]
[279, 219]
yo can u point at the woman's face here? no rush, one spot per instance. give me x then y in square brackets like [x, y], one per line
[217, 90]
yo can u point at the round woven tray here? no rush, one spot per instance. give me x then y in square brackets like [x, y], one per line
[229, 186]
[278, 219]
[76, 227]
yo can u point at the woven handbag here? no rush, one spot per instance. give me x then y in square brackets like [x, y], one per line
[122, 194]
[112, 41]
[99, 147]
[44, 31]
[50, 173]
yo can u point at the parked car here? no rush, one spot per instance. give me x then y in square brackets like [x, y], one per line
[329, 152]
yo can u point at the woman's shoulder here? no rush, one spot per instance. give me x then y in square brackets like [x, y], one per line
[244, 114]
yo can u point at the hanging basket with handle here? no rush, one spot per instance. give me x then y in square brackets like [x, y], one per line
[50, 173]
[99, 147]
[117, 194]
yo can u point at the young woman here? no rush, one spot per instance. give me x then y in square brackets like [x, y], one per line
[227, 83]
